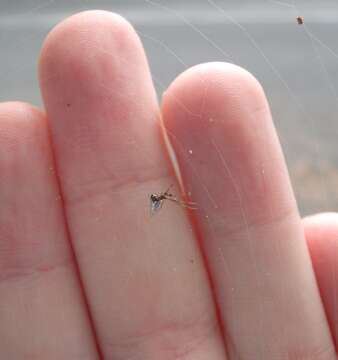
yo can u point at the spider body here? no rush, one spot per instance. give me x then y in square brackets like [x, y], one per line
[156, 200]
[157, 197]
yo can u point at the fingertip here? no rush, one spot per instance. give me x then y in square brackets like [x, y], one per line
[20, 123]
[10, 109]
[321, 218]
[98, 93]
[321, 233]
[88, 45]
[218, 121]
[321, 227]
[76, 28]
[25, 149]
[27, 184]
[211, 88]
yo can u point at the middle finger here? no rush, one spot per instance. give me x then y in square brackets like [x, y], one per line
[147, 289]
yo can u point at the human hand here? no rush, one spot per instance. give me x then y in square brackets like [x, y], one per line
[232, 279]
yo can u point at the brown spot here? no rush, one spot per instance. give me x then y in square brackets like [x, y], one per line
[300, 20]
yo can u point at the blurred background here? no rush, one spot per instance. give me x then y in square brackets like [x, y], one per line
[296, 64]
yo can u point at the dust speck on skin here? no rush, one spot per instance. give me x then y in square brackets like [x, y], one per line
[190, 151]
[211, 119]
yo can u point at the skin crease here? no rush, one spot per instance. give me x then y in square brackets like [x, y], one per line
[87, 273]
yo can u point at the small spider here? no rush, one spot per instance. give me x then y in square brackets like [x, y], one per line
[300, 20]
[156, 201]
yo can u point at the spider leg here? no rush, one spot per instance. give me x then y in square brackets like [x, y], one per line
[166, 193]
[192, 203]
[186, 204]
[189, 206]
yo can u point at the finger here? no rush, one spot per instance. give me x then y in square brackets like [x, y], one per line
[219, 125]
[321, 232]
[143, 276]
[42, 315]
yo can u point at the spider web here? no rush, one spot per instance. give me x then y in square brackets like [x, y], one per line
[295, 64]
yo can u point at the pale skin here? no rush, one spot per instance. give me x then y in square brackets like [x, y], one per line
[85, 273]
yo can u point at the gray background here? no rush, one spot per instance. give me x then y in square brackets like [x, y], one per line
[297, 65]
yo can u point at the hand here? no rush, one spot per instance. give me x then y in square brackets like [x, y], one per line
[86, 271]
